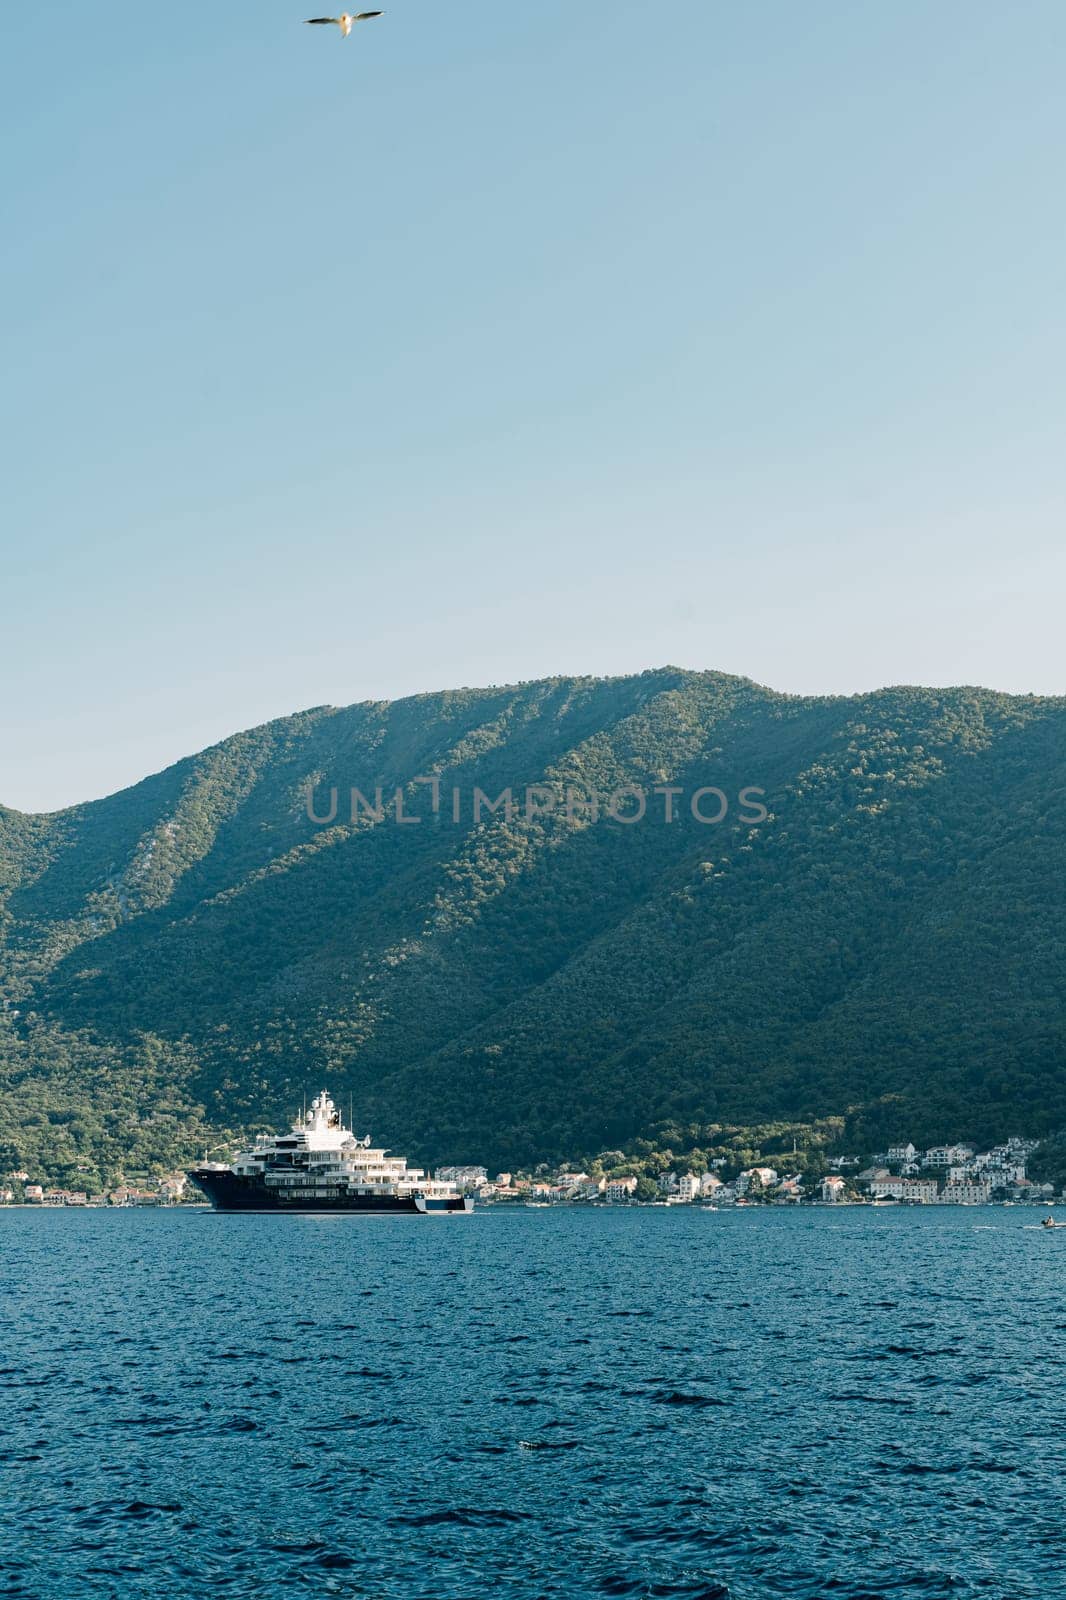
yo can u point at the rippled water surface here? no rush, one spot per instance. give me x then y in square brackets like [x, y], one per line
[533, 1403]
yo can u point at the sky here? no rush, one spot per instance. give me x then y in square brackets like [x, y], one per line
[502, 341]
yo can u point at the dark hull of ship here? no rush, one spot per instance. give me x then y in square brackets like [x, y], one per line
[228, 1192]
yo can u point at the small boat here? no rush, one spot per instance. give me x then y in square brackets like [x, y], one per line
[1049, 1222]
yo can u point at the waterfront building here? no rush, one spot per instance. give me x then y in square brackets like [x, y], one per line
[920, 1191]
[832, 1188]
[757, 1177]
[1009, 1172]
[620, 1188]
[901, 1153]
[949, 1155]
[463, 1177]
[967, 1192]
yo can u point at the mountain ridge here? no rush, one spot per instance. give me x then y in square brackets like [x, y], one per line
[328, 708]
[886, 942]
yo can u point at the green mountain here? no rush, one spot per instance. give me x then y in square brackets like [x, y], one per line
[888, 942]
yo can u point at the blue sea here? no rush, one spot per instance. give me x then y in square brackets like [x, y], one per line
[843, 1403]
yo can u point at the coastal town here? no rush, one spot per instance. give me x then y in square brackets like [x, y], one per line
[173, 1188]
[950, 1174]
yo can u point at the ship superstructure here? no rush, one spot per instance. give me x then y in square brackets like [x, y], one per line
[320, 1165]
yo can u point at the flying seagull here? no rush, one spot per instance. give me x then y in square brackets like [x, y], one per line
[345, 22]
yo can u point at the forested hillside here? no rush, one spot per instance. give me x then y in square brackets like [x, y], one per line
[888, 943]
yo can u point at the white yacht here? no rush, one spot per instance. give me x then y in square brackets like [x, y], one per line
[321, 1166]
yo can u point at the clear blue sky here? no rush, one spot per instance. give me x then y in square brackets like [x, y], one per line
[506, 340]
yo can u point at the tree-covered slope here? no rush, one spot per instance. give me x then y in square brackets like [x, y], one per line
[188, 956]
